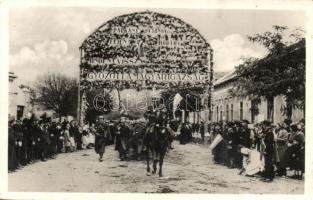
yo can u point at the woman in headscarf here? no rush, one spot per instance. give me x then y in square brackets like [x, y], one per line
[68, 139]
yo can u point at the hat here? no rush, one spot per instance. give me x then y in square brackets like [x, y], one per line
[293, 127]
[230, 123]
[245, 121]
[11, 120]
[288, 121]
[267, 123]
[237, 123]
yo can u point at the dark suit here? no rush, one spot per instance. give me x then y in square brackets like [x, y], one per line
[269, 153]
[12, 162]
[121, 139]
[54, 136]
[102, 132]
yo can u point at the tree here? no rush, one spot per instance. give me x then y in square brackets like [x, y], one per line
[98, 103]
[281, 72]
[57, 92]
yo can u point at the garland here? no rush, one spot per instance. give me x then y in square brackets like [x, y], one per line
[161, 42]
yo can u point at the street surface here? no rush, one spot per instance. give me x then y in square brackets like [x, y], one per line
[187, 169]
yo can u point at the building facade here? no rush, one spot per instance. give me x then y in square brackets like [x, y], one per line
[19, 98]
[229, 108]
[20, 101]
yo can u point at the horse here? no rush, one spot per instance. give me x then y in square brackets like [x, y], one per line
[157, 138]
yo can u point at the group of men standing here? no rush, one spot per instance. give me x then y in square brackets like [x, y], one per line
[33, 139]
[280, 146]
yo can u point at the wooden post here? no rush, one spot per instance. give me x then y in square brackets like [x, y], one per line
[78, 92]
[208, 98]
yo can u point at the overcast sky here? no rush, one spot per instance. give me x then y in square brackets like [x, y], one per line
[47, 39]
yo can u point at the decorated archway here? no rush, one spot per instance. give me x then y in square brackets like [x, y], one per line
[144, 50]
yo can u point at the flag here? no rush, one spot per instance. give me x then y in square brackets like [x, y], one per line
[216, 141]
[176, 101]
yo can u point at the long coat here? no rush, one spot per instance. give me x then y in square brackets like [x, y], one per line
[102, 132]
[282, 146]
[122, 136]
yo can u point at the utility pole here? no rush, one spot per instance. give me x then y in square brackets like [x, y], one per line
[208, 98]
[78, 92]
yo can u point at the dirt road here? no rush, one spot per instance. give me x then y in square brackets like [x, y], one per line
[187, 169]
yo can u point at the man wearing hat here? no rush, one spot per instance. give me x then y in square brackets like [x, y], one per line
[121, 137]
[12, 161]
[102, 132]
[54, 136]
[161, 115]
[268, 151]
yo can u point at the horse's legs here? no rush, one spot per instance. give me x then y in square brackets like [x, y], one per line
[161, 164]
[147, 154]
[155, 161]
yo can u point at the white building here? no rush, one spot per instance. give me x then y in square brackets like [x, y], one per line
[19, 98]
[229, 108]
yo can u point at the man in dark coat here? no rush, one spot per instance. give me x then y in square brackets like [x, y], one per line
[44, 142]
[18, 135]
[231, 146]
[27, 140]
[268, 152]
[122, 136]
[36, 140]
[102, 132]
[237, 144]
[202, 130]
[161, 116]
[54, 136]
[245, 131]
[183, 137]
[12, 162]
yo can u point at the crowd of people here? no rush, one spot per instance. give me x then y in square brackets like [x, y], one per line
[31, 139]
[280, 147]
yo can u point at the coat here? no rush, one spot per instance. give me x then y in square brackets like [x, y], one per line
[282, 146]
[102, 133]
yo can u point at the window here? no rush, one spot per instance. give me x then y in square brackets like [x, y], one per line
[227, 113]
[270, 109]
[217, 113]
[20, 112]
[288, 108]
[241, 110]
[221, 113]
[231, 112]
[254, 110]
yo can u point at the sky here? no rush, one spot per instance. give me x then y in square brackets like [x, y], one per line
[47, 39]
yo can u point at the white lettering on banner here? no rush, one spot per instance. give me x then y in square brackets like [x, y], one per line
[139, 30]
[136, 61]
[157, 77]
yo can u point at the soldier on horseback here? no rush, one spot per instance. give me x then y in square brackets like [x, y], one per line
[157, 137]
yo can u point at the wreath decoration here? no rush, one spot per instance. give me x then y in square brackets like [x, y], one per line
[155, 42]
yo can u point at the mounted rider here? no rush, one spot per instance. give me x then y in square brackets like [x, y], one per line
[161, 115]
